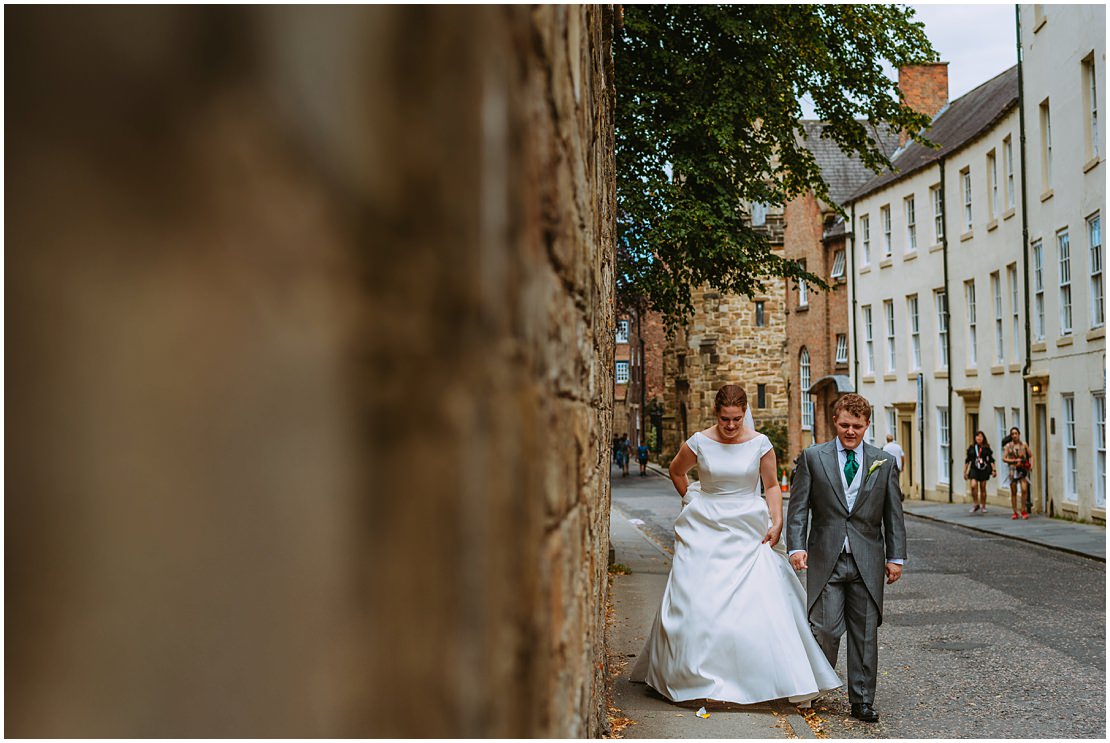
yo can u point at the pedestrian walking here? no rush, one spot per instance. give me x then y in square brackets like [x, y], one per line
[979, 467]
[642, 457]
[1017, 455]
[893, 449]
[625, 450]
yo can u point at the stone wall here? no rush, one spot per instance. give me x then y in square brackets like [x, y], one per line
[309, 357]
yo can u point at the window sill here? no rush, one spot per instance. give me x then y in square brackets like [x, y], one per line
[971, 372]
[992, 225]
[1065, 340]
[910, 256]
[941, 374]
[865, 268]
[869, 379]
[1095, 333]
[967, 236]
[886, 263]
[998, 369]
[935, 248]
[1047, 195]
[1038, 346]
[842, 364]
[1015, 368]
[1090, 164]
[1008, 213]
[890, 377]
[912, 376]
[802, 308]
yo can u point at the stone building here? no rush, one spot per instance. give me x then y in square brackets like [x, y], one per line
[310, 315]
[817, 322]
[729, 339]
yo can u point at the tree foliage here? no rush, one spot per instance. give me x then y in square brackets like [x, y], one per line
[707, 119]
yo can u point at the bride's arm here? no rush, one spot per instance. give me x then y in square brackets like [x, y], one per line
[768, 472]
[682, 463]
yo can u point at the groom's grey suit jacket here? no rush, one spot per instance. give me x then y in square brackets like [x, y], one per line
[875, 526]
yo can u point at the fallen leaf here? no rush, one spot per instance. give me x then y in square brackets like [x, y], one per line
[702, 714]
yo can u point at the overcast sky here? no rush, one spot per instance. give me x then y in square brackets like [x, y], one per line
[977, 42]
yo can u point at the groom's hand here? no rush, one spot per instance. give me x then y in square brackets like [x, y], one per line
[799, 560]
[893, 572]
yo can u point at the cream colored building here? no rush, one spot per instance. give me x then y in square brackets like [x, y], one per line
[1064, 69]
[936, 304]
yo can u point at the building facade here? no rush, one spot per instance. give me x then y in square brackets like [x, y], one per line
[638, 378]
[936, 336]
[1064, 66]
[817, 322]
[734, 339]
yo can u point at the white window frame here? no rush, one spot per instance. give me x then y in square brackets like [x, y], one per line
[913, 312]
[1098, 289]
[892, 422]
[992, 175]
[1015, 313]
[865, 239]
[1015, 419]
[804, 380]
[803, 293]
[1038, 290]
[627, 375]
[1090, 99]
[838, 265]
[1063, 251]
[938, 213]
[1046, 144]
[944, 444]
[884, 218]
[972, 319]
[940, 297]
[911, 223]
[1008, 151]
[842, 348]
[622, 331]
[965, 184]
[891, 351]
[1071, 450]
[999, 340]
[1098, 409]
[869, 338]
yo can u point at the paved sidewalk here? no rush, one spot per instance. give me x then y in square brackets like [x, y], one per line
[1085, 540]
[636, 599]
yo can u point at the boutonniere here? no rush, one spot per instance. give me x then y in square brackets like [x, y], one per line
[875, 465]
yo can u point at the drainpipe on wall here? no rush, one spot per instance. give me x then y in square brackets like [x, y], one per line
[1025, 260]
[852, 291]
[948, 325]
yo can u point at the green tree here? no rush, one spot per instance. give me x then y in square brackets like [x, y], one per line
[706, 119]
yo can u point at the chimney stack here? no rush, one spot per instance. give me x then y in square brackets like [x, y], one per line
[925, 87]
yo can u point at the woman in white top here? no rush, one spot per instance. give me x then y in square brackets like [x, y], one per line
[732, 624]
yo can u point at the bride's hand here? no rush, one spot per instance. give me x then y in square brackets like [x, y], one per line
[773, 534]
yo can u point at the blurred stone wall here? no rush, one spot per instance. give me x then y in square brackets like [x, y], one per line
[309, 370]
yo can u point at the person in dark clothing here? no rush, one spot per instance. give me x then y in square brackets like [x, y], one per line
[979, 467]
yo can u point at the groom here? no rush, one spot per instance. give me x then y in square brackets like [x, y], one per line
[850, 491]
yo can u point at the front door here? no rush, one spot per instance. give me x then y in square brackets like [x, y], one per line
[906, 439]
[1040, 464]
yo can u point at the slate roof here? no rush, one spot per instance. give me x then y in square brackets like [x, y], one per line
[960, 122]
[843, 174]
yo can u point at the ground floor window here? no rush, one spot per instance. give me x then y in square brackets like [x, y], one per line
[1071, 473]
[1100, 450]
[944, 446]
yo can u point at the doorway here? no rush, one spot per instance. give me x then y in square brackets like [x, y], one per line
[1040, 464]
[906, 480]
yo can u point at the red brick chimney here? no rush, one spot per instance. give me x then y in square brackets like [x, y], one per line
[925, 87]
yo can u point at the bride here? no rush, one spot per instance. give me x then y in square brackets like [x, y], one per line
[732, 626]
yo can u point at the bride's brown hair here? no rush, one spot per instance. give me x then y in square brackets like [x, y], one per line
[730, 396]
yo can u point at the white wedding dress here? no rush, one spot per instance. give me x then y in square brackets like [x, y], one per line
[732, 625]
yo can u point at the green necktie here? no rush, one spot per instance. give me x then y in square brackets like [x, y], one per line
[850, 465]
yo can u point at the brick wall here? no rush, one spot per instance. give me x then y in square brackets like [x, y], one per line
[310, 345]
[925, 88]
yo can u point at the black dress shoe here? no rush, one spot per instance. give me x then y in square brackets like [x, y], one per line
[865, 712]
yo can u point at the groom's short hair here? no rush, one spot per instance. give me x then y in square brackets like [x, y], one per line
[854, 404]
